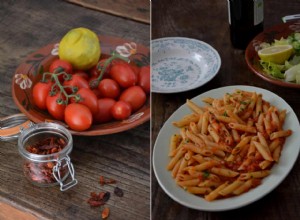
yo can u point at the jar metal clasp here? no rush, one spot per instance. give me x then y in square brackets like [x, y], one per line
[61, 163]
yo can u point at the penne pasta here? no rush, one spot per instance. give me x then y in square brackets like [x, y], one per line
[263, 150]
[214, 194]
[227, 148]
[186, 120]
[279, 134]
[224, 172]
[245, 186]
[244, 128]
[194, 107]
[198, 190]
[256, 174]
[230, 188]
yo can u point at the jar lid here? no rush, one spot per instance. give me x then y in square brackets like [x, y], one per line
[11, 126]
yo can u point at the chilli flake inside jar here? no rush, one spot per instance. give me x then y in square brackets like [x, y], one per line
[45, 148]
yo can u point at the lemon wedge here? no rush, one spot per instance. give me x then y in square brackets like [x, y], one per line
[80, 47]
[277, 54]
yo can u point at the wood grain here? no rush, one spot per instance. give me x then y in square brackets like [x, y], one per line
[11, 213]
[208, 21]
[25, 27]
[132, 9]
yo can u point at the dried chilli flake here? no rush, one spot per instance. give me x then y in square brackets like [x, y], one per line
[99, 199]
[105, 213]
[42, 172]
[104, 181]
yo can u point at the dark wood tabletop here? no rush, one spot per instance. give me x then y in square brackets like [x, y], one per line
[25, 27]
[208, 21]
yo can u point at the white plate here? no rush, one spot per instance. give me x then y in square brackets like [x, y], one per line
[181, 64]
[278, 173]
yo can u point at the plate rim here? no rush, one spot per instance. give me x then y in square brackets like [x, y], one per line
[260, 73]
[250, 198]
[219, 63]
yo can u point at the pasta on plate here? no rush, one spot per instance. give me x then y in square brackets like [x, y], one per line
[227, 147]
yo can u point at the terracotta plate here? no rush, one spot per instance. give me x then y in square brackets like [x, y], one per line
[275, 32]
[31, 71]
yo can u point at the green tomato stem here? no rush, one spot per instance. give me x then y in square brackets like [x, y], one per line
[62, 89]
[106, 64]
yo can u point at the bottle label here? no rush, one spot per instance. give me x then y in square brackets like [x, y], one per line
[258, 11]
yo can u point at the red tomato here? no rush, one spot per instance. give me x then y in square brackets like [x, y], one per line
[58, 66]
[121, 110]
[88, 98]
[82, 74]
[76, 81]
[94, 72]
[104, 110]
[55, 109]
[123, 74]
[93, 82]
[97, 93]
[135, 68]
[109, 88]
[40, 92]
[144, 79]
[78, 117]
[135, 96]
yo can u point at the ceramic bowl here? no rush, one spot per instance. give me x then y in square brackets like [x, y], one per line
[30, 72]
[269, 35]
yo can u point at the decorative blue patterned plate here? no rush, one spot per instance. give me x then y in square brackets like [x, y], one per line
[181, 64]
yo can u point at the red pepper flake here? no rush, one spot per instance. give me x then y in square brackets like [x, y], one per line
[42, 172]
[97, 200]
[103, 181]
[101, 198]
[105, 213]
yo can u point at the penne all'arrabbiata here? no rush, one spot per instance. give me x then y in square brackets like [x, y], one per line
[227, 147]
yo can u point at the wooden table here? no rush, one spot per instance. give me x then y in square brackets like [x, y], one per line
[25, 27]
[208, 22]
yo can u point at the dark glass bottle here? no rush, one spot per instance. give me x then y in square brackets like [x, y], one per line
[245, 20]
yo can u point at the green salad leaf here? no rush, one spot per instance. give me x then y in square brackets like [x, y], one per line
[273, 69]
[277, 70]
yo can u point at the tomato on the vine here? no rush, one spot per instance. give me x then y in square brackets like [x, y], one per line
[135, 96]
[40, 92]
[109, 88]
[144, 79]
[58, 66]
[123, 74]
[78, 117]
[82, 74]
[121, 110]
[97, 93]
[134, 67]
[54, 108]
[88, 98]
[75, 81]
[104, 110]
[95, 72]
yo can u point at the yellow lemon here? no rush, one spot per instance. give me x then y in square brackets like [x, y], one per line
[80, 47]
[276, 54]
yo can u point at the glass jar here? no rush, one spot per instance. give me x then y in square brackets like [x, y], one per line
[45, 148]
